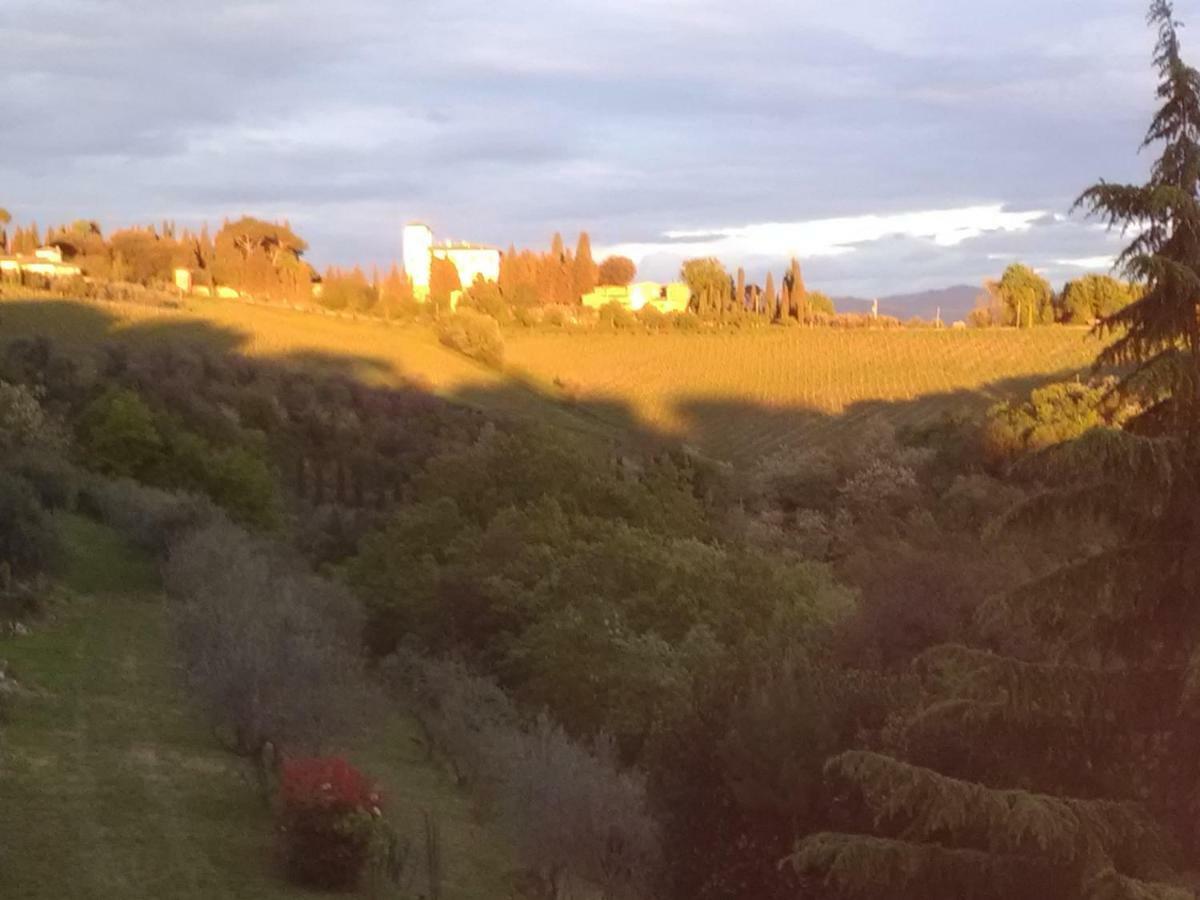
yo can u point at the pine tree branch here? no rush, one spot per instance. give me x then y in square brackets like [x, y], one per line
[925, 806]
[858, 866]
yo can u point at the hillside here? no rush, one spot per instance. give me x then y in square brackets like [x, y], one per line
[734, 395]
[111, 786]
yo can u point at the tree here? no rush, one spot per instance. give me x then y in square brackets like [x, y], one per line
[262, 257]
[557, 277]
[1025, 297]
[5, 218]
[618, 271]
[820, 303]
[796, 291]
[146, 257]
[396, 297]
[769, 296]
[739, 295]
[347, 290]
[709, 283]
[1093, 297]
[585, 272]
[443, 281]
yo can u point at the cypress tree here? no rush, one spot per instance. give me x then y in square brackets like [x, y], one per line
[769, 296]
[739, 295]
[585, 272]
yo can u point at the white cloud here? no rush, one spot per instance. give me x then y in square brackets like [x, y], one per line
[1103, 263]
[835, 236]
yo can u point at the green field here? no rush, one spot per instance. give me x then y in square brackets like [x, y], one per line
[734, 395]
[110, 787]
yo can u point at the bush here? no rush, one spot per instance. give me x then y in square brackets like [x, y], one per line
[475, 335]
[653, 318]
[327, 814]
[485, 297]
[614, 315]
[152, 518]
[27, 537]
[54, 480]
[1053, 414]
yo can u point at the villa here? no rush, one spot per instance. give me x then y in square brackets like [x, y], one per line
[471, 260]
[666, 298]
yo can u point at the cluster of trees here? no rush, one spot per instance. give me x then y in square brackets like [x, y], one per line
[716, 295]
[559, 277]
[1023, 298]
[249, 255]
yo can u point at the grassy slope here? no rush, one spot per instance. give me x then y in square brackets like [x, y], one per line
[110, 786]
[735, 395]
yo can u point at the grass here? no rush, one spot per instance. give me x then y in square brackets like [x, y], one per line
[734, 395]
[111, 787]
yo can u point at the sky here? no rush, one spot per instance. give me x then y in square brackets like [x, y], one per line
[892, 145]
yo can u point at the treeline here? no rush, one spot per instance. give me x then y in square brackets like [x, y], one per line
[1022, 298]
[249, 255]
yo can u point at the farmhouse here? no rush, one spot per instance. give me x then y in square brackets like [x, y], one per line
[471, 260]
[666, 298]
[46, 262]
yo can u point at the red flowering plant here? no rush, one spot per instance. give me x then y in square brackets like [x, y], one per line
[328, 815]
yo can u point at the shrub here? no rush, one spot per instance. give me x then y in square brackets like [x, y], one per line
[1051, 415]
[327, 814]
[54, 480]
[27, 537]
[475, 335]
[653, 318]
[485, 297]
[614, 315]
[152, 518]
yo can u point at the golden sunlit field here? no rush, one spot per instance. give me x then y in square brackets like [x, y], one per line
[733, 395]
[738, 395]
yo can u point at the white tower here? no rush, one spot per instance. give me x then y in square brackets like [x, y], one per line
[418, 242]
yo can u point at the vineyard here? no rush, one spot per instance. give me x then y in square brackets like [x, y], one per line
[741, 395]
[733, 395]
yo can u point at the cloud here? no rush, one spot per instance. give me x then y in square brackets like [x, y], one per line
[646, 122]
[1095, 263]
[833, 237]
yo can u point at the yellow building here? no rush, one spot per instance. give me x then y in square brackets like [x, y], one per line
[471, 260]
[666, 298]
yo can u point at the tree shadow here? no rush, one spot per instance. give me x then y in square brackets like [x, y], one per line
[731, 430]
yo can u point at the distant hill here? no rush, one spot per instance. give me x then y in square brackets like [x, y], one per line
[956, 303]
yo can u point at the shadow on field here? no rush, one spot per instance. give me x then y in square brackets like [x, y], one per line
[732, 430]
